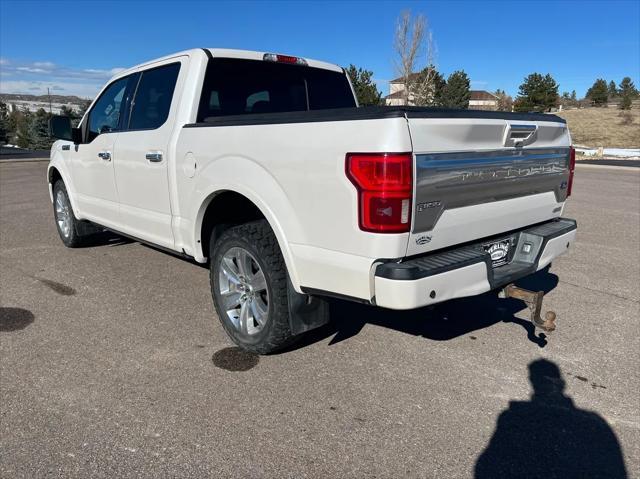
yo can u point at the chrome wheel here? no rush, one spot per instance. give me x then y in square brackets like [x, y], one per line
[243, 289]
[63, 214]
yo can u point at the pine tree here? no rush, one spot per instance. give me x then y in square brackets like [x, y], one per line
[24, 129]
[456, 92]
[537, 93]
[4, 123]
[40, 131]
[628, 92]
[598, 93]
[574, 96]
[66, 111]
[612, 90]
[439, 87]
[366, 90]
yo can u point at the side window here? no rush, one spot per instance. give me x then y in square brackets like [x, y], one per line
[153, 97]
[105, 114]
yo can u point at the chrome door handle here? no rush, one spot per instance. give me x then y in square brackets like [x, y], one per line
[104, 155]
[154, 157]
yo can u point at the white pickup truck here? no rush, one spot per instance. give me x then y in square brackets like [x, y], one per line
[264, 166]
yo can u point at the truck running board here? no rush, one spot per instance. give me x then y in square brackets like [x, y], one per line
[534, 302]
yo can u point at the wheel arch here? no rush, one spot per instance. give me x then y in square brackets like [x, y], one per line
[54, 173]
[226, 207]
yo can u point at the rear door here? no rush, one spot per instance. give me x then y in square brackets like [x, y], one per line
[482, 176]
[143, 153]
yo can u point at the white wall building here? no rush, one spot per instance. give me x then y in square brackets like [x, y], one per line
[479, 100]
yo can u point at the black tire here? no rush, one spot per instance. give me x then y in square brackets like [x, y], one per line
[258, 239]
[78, 230]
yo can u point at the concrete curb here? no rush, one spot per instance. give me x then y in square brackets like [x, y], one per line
[608, 167]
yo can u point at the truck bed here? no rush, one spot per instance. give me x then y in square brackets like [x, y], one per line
[370, 113]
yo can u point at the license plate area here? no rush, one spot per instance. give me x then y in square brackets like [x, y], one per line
[500, 251]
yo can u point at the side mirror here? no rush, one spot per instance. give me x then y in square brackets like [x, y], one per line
[60, 128]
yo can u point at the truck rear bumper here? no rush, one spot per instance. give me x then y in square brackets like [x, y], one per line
[467, 270]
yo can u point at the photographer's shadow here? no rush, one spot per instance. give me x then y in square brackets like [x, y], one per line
[548, 437]
[441, 322]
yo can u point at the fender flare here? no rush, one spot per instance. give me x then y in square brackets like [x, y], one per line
[57, 163]
[259, 187]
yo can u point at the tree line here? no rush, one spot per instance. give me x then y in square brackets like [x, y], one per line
[413, 44]
[30, 130]
[537, 92]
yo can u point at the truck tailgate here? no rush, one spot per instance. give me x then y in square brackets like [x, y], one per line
[478, 177]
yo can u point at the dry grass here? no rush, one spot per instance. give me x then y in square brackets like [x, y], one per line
[607, 127]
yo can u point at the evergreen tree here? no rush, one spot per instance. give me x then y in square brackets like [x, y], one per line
[574, 96]
[40, 131]
[612, 90]
[598, 93]
[24, 129]
[4, 123]
[537, 93]
[66, 111]
[366, 90]
[628, 92]
[456, 92]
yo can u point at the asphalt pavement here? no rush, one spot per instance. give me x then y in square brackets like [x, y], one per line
[113, 364]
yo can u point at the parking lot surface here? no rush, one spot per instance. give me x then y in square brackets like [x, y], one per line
[113, 363]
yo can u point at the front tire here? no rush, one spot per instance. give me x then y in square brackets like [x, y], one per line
[249, 287]
[72, 231]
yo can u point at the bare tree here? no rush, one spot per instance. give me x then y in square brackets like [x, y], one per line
[414, 44]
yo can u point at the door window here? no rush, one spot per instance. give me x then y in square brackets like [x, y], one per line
[152, 102]
[105, 114]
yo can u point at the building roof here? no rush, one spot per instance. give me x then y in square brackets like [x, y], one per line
[396, 95]
[482, 95]
[401, 79]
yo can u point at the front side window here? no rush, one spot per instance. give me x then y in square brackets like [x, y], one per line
[153, 97]
[105, 114]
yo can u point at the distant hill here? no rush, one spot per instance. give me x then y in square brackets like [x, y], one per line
[63, 99]
[606, 127]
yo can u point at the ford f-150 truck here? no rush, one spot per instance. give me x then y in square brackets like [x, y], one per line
[264, 166]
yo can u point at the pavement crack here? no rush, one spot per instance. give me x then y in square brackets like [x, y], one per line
[600, 291]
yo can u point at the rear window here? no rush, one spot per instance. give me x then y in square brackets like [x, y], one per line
[236, 87]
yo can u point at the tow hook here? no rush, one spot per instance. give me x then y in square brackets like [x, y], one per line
[534, 302]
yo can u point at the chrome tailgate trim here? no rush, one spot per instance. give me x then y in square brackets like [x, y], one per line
[445, 181]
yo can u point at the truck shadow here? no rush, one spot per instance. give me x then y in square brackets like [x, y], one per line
[441, 322]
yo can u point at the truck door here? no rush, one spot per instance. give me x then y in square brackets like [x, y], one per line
[92, 161]
[143, 150]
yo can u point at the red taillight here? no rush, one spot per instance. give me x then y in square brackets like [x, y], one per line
[572, 167]
[385, 184]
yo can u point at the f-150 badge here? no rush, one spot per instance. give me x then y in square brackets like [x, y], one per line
[431, 204]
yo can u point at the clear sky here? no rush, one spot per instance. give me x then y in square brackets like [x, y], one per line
[73, 47]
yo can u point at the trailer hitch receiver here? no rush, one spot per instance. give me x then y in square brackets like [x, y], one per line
[534, 302]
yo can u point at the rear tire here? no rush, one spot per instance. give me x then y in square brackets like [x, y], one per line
[72, 231]
[248, 280]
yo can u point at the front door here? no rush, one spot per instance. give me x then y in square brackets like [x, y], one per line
[92, 161]
[143, 155]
